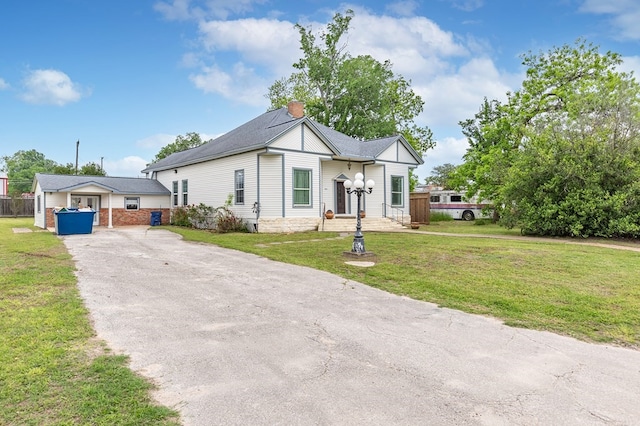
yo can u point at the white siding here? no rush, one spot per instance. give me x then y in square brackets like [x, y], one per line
[389, 154]
[395, 169]
[271, 185]
[331, 170]
[373, 202]
[90, 189]
[146, 201]
[212, 182]
[38, 217]
[300, 160]
[312, 143]
[404, 156]
[290, 140]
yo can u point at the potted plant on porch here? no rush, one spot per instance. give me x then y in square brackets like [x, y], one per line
[329, 214]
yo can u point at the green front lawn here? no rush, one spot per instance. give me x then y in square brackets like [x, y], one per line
[588, 292]
[53, 371]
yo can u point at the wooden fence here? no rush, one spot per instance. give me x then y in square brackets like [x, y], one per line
[21, 207]
[420, 206]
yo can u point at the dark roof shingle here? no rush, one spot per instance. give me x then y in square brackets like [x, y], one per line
[117, 185]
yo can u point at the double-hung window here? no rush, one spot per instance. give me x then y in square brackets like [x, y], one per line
[239, 186]
[397, 190]
[301, 187]
[185, 192]
[175, 192]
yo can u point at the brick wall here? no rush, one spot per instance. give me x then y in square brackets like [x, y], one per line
[121, 217]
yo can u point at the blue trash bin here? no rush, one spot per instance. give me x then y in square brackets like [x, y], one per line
[156, 218]
[69, 222]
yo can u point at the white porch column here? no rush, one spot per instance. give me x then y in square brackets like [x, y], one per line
[68, 199]
[110, 219]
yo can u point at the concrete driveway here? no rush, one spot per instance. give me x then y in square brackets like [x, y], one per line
[233, 338]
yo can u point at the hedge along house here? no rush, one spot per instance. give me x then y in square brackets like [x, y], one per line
[282, 171]
[117, 200]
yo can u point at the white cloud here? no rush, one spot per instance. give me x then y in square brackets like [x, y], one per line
[241, 85]
[624, 19]
[448, 150]
[160, 140]
[268, 42]
[50, 87]
[127, 166]
[156, 141]
[244, 57]
[3, 84]
[467, 5]
[182, 10]
[402, 8]
[415, 46]
[631, 63]
[457, 96]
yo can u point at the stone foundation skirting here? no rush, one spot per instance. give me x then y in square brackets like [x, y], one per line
[287, 224]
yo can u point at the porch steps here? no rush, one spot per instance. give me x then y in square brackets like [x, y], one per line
[346, 223]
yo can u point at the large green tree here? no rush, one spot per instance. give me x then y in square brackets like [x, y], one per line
[89, 169]
[21, 168]
[182, 143]
[562, 155]
[442, 176]
[358, 96]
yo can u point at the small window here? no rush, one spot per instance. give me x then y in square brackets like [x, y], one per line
[456, 198]
[397, 190]
[301, 187]
[239, 186]
[434, 198]
[132, 203]
[175, 192]
[185, 192]
[38, 200]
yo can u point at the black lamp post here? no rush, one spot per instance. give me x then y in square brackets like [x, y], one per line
[358, 187]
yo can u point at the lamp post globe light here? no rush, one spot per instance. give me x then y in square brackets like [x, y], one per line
[358, 187]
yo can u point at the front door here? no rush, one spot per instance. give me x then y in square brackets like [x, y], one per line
[91, 201]
[341, 197]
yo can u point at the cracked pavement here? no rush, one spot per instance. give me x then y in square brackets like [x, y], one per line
[233, 338]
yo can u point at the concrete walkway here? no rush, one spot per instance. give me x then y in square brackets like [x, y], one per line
[236, 339]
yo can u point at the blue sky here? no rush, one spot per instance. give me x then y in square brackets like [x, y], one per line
[126, 77]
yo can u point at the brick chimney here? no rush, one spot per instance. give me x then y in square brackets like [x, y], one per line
[296, 109]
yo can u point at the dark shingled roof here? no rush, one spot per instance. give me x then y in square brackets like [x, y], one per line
[117, 185]
[264, 129]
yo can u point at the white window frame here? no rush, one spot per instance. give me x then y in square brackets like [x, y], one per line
[174, 187]
[185, 192]
[238, 186]
[132, 203]
[397, 193]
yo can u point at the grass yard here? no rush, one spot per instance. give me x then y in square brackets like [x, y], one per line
[587, 292]
[52, 369]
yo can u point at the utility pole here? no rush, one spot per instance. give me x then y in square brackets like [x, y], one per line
[101, 169]
[77, 147]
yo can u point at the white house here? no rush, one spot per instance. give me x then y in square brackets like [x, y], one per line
[117, 200]
[283, 170]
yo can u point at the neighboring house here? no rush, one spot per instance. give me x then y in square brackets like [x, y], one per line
[283, 170]
[4, 186]
[117, 200]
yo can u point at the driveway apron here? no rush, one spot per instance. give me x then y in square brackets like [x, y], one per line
[234, 338]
